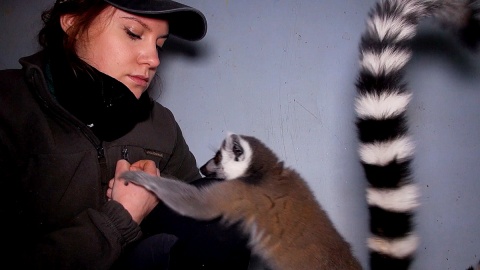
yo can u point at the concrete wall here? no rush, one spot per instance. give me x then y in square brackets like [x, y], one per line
[284, 71]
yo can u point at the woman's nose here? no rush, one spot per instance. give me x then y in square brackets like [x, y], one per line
[150, 56]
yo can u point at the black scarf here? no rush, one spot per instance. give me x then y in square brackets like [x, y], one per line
[101, 102]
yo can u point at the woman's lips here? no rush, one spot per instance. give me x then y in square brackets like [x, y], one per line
[140, 80]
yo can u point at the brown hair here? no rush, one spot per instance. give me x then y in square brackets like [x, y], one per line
[52, 37]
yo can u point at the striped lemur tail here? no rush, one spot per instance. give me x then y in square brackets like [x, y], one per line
[386, 150]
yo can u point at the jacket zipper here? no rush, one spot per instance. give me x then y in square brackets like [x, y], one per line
[125, 153]
[102, 161]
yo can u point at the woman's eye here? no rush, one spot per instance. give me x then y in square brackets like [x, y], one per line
[132, 35]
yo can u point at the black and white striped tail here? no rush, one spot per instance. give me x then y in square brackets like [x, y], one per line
[386, 150]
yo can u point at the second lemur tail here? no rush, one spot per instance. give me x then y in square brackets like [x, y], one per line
[386, 149]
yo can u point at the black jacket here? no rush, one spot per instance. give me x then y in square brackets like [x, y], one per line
[54, 174]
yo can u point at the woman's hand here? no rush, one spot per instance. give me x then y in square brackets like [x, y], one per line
[137, 200]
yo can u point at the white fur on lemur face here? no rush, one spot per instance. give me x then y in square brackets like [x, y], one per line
[236, 156]
[232, 159]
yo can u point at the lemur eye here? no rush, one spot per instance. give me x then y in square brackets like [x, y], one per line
[237, 150]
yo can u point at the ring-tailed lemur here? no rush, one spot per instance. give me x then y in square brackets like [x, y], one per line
[286, 226]
[386, 150]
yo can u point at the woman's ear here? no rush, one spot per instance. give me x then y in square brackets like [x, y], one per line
[66, 21]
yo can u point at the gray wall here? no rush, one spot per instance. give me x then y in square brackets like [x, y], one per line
[284, 71]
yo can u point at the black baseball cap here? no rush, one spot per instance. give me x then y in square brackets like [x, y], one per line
[185, 22]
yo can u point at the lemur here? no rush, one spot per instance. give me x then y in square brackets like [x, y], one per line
[286, 226]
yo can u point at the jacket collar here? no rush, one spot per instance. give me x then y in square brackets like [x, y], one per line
[99, 101]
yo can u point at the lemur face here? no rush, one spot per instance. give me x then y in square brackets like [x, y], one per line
[231, 161]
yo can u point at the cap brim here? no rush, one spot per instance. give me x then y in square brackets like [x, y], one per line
[185, 22]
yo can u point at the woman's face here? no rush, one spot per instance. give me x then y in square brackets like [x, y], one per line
[124, 46]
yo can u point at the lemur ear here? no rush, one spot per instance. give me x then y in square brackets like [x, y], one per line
[229, 134]
[229, 140]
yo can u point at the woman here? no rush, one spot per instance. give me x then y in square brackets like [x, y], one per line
[73, 119]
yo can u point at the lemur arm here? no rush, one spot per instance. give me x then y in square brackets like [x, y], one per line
[183, 198]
